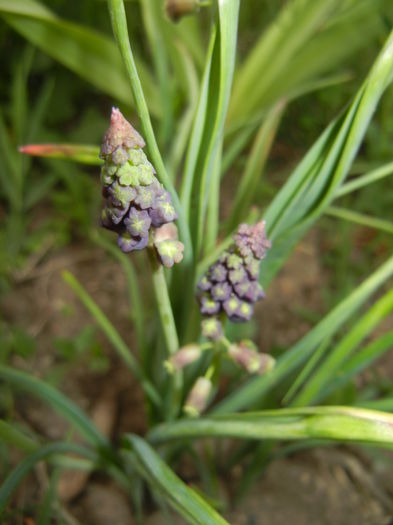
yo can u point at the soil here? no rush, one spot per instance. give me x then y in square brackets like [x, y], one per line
[324, 486]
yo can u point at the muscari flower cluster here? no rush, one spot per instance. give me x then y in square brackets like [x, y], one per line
[136, 203]
[230, 285]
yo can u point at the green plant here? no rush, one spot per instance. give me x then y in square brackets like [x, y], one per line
[214, 128]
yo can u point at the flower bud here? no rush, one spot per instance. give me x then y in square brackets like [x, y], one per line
[212, 329]
[198, 397]
[185, 356]
[135, 202]
[246, 356]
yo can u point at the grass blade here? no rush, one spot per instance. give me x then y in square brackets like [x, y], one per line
[181, 497]
[84, 154]
[365, 180]
[331, 423]
[113, 336]
[360, 218]
[336, 356]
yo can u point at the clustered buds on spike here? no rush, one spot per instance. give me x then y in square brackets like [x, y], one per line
[230, 285]
[136, 202]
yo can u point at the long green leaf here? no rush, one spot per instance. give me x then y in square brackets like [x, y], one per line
[64, 406]
[88, 53]
[328, 369]
[218, 86]
[161, 478]
[313, 185]
[113, 336]
[298, 39]
[332, 423]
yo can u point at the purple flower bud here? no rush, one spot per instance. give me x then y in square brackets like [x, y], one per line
[137, 223]
[218, 273]
[212, 329]
[108, 174]
[221, 291]
[107, 223]
[252, 237]
[198, 397]
[254, 292]
[242, 288]
[128, 244]
[163, 210]
[204, 284]
[120, 134]
[243, 313]
[185, 356]
[238, 275]
[114, 214]
[121, 196]
[231, 306]
[146, 195]
[208, 306]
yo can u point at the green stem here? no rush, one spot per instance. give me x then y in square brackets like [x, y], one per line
[119, 26]
[168, 327]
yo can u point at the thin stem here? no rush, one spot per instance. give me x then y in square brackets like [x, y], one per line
[168, 327]
[163, 303]
[119, 26]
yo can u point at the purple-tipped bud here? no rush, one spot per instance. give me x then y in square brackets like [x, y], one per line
[212, 329]
[121, 196]
[221, 291]
[231, 306]
[254, 292]
[163, 210]
[114, 214]
[128, 244]
[243, 313]
[218, 273]
[251, 239]
[204, 284]
[120, 134]
[146, 196]
[208, 306]
[137, 222]
[198, 397]
[238, 275]
[245, 355]
[184, 357]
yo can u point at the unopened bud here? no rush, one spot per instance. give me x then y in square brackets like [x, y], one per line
[198, 397]
[246, 356]
[185, 356]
